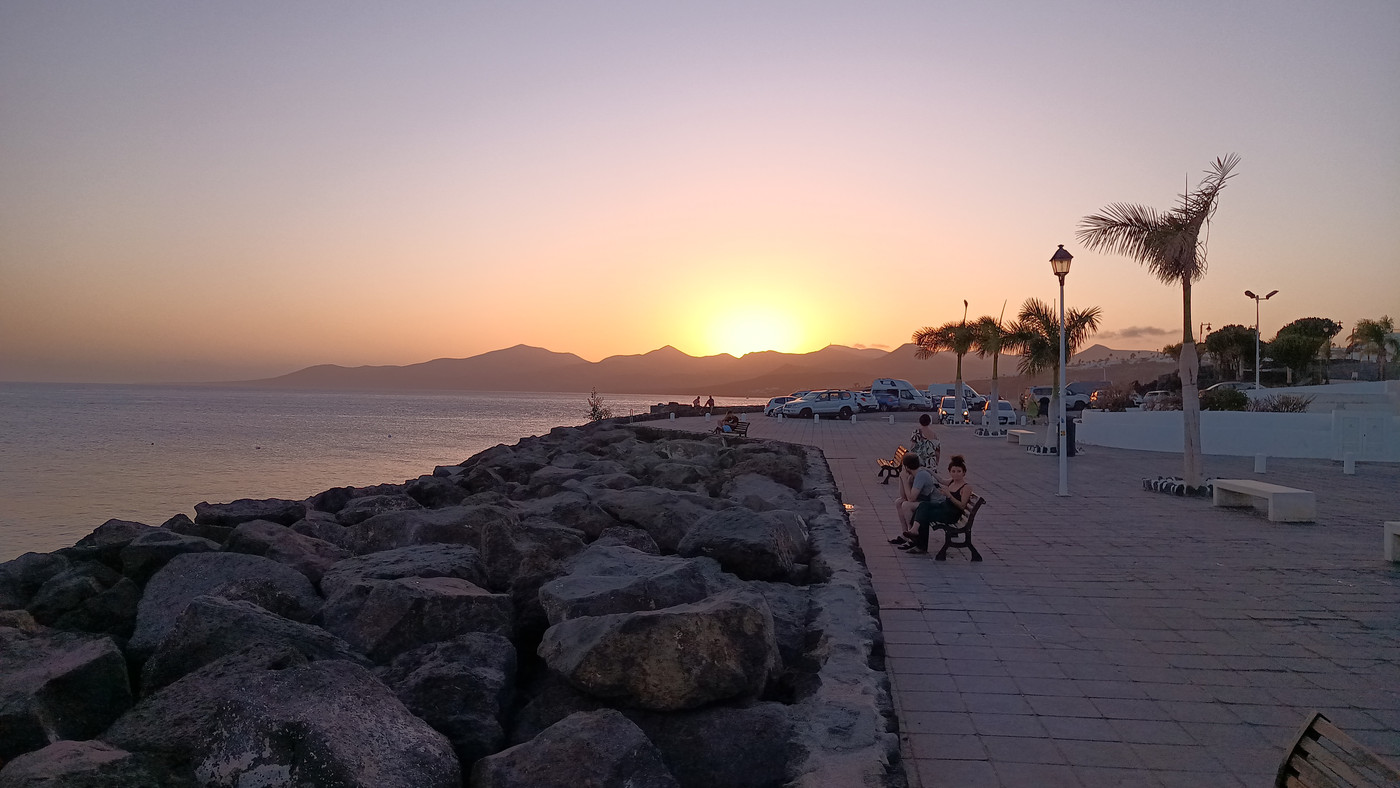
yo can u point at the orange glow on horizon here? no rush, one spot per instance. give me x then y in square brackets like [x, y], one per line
[738, 328]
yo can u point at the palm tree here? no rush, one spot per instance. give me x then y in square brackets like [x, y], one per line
[1036, 336]
[992, 335]
[1373, 336]
[957, 337]
[1169, 243]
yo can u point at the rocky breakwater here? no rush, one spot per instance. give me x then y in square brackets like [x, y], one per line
[608, 606]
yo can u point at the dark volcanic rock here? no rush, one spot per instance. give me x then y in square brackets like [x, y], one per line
[599, 748]
[194, 574]
[245, 510]
[21, 577]
[332, 500]
[624, 536]
[571, 510]
[452, 525]
[106, 541]
[306, 554]
[57, 685]
[88, 596]
[213, 627]
[148, 552]
[749, 747]
[752, 545]
[360, 509]
[262, 717]
[428, 560]
[461, 687]
[604, 579]
[385, 618]
[666, 515]
[436, 492]
[680, 657]
[88, 764]
[181, 524]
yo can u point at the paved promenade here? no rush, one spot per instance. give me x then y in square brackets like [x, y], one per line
[1117, 636]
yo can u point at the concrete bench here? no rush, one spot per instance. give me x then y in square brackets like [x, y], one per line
[1283, 504]
[1022, 436]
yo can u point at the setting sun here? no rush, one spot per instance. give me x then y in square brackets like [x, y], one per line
[744, 328]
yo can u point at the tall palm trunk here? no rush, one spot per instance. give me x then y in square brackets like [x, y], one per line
[1190, 367]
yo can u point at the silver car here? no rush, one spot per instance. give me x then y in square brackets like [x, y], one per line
[829, 402]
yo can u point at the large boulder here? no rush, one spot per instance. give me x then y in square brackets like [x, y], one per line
[752, 545]
[88, 764]
[758, 492]
[569, 509]
[462, 687]
[143, 556]
[306, 554]
[598, 748]
[181, 524]
[195, 574]
[105, 543]
[611, 579]
[452, 525]
[749, 747]
[88, 596]
[213, 627]
[666, 515]
[785, 465]
[21, 577]
[385, 618]
[680, 657]
[360, 509]
[428, 560]
[436, 492]
[230, 515]
[263, 717]
[57, 685]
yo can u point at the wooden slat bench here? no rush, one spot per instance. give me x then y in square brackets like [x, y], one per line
[1020, 436]
[889, 468]
[738, 429]
[962, 528]
[1283, 504]
[1324, 756]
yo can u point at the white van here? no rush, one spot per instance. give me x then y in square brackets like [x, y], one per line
[937, 391]
[909, 397]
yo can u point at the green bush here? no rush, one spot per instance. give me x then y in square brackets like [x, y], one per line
[1224, 399]
[597, 411]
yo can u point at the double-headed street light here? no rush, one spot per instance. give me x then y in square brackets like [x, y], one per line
[1059, 263]
[1257, 299]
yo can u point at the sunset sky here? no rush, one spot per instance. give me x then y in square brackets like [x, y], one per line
[204, 191]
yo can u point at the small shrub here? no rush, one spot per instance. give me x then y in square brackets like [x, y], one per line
[597, 411]
[1224, 399]
[1281, 403]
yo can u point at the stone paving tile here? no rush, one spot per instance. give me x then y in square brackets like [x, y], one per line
[1116, 636]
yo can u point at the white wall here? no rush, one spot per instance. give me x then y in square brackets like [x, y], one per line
[1244, 434]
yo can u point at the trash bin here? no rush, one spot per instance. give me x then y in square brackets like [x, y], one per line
[1069, 435]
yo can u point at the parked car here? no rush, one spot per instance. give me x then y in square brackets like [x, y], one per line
[776, 404]
[937, 391]
[828, 402]
[1005, 413]
[950, 411]
[866, 400]
[885, 400]
[1234, 385]
[1041, 396]
[1162, 400]
[908, 397]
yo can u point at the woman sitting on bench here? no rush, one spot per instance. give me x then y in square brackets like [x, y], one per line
[956, 495]
[727, 423]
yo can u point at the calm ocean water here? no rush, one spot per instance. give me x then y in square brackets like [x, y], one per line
[72, 456]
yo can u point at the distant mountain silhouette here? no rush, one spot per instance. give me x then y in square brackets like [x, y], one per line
[666, 369]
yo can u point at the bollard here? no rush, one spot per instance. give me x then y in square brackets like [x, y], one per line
[816, 417]
[1261, 463]
[891, 418]
[1349, 464]
[673, 415]
[707, 417]
[853, 418]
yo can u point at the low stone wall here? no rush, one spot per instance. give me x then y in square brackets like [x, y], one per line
[1366, 435]
[606, 605]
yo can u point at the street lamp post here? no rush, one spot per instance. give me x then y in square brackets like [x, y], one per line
[1059, 263]
[1257, 299]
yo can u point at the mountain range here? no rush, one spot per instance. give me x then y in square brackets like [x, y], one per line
[760, 374]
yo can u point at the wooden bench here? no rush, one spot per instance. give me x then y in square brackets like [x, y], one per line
[738, 429]
[1019, 436]
[1323, 755]
[889, 468]
[962, 528]
[1283, 504]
